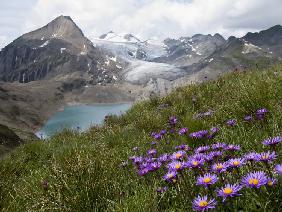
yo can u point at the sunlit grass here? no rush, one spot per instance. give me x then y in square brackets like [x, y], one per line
[82, 172]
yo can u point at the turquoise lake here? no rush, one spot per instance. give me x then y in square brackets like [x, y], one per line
[80, 117]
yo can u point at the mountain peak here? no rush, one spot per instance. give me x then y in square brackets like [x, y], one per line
[62, 27]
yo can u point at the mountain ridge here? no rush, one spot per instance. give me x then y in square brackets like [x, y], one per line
[57, 65]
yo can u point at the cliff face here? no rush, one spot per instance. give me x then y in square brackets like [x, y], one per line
[59, 48]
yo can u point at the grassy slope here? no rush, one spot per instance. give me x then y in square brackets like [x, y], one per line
[83, 173]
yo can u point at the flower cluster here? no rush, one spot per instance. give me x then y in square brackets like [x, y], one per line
[211, 164]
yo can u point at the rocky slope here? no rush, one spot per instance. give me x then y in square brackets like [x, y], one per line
[58, 50]
[56, 65]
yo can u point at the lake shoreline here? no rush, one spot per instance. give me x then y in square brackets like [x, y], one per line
[80, 116]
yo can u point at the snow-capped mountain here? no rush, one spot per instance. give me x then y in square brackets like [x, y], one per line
[60, 50]
[130, 47]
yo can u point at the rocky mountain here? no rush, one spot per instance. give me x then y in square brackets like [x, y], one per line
[56, 65]
[58, 50]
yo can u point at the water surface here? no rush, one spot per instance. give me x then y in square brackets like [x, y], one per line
[80, 117]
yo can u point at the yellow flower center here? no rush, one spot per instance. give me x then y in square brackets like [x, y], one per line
[236, 163]
[227, 190]
[265, 157]
[219, 166]
[253, 181]
[195, 163]
[207, 180]
[203, 203]
[178, 166]
[270, 183]
[178, 155]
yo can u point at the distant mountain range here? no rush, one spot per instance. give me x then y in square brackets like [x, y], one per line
[60, 50]
[55, 65]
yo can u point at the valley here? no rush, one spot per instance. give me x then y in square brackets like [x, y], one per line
[56, 65]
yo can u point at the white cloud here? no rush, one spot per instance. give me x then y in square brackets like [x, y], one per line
[161, 18]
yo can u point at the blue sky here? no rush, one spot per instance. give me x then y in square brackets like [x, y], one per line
[144, 18]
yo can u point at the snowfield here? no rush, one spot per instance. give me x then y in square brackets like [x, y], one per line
[140, 72]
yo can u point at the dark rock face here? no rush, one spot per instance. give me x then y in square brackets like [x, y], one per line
[270, 39]
[55, 49]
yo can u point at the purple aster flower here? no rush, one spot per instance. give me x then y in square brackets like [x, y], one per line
[219, 146]
[143, 172]
[231, 122]
[153, 134]
[271, 181]
[194, 162]
[183, 131]
[229, 191]
[171, 176]
[200, 134]
[272, 141]
[157, 136]
[261, 113]
[198, 156]
[202, 149]
[208, 157]
[203, 203]
[207, 180]
[236, 162]
[248, 118]
[162, 132]
[211, 155]
[250, 156]
[154, 166]
[214, 130]
[175, 166]
[278, 169]
[220, 167]
[184, 147]
[232, 147]
[178, 155]
[149, 159]
[152, 152]
[162, 190]
[136, 160]
[164, 158]
[153, 143]
[216, 153]
[173, 121]
[172, 131]
[266, 156]
[255, 179]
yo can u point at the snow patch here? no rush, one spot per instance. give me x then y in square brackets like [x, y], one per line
[113, 59]
[249, 48]
[118, 66]
[62, 50]
[44, 44]
[107, 62]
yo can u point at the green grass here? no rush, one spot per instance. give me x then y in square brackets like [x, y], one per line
[83, 173]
